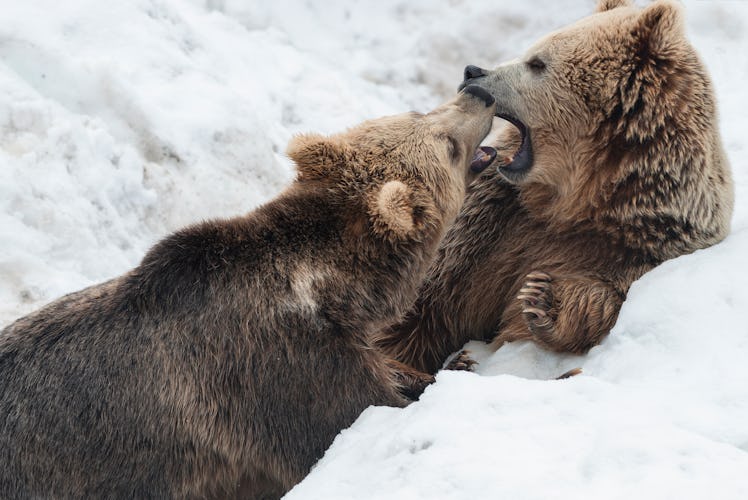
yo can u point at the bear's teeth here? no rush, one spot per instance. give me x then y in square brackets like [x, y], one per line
[482, 158]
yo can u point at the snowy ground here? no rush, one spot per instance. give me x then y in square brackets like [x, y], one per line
[123, 120]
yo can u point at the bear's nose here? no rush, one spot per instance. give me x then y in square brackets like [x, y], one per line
[473, 72]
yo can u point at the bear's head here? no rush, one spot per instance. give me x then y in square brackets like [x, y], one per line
[618, 94]
[410, 171]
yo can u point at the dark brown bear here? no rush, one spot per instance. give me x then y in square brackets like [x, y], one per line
[615, 164]
[239, 348]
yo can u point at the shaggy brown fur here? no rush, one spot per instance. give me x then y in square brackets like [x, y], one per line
[239, 348]
[628, 171]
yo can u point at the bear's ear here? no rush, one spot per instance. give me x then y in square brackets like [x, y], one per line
[316, 155]
[660, 29]
[603, 5]
[397, 212]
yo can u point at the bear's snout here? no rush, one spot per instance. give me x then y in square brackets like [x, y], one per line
[471, 73]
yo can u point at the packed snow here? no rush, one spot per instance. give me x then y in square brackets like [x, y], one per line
[126, 119]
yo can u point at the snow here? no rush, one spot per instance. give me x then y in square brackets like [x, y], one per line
[123, 120]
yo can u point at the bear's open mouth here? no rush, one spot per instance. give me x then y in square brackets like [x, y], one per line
[483, 157]
[515, 165]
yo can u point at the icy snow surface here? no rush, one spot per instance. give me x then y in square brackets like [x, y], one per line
[123, 120]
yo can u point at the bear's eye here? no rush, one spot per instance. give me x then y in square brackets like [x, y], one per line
[536, 64]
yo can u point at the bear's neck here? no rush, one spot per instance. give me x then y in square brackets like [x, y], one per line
[656, 199]
[368, 281]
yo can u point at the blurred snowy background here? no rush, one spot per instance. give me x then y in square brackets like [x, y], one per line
[122, 120]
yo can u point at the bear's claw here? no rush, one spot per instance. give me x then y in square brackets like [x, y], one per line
[539, 276]
[537, 301]
[461, 362]
[411, 382]
[571, 373]
[540, 313]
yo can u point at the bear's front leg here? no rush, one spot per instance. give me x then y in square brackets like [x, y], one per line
[566, 314]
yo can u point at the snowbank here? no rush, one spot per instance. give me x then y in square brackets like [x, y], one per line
[123, 120]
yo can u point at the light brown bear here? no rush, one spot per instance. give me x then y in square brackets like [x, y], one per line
[239, 348]
[614, 165]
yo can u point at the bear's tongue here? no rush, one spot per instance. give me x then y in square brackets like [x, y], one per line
[482, 158]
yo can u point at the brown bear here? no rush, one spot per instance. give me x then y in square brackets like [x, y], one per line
[239, 348]
[614, 164]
